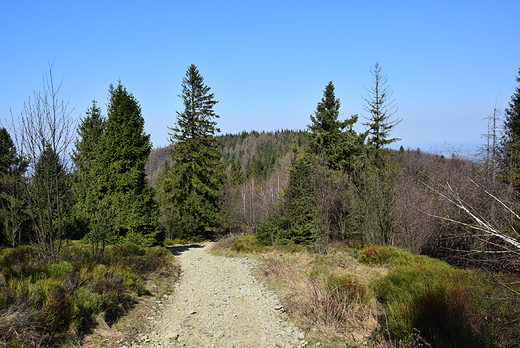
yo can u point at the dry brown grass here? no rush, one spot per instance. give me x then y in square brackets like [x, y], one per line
[14, 323]
[328, 293]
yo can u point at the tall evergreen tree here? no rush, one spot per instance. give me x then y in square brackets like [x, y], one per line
[334, 139]
[191, 191]
[89, 132]
[84, 155]
[51, 197]
[44, 132]
[325, 127]
[298, 206]
[511, 142]
[12, 169]
[91, 207]
[236, 174]
[376, 183]
[381, 108]
[119, 169]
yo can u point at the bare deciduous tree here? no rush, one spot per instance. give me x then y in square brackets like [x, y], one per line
[46, 126]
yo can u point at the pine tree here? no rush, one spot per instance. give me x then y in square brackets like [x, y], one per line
[93, 211]
[236, 174]
[119, 169]
[191, 190]
[376, 183]
[89, 132]
[325, 126]
[511, 143]
[298, 206]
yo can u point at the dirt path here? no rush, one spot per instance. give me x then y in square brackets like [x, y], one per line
[217, 303]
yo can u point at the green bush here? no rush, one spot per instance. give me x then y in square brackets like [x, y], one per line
[347, 288]
[85, 305]
[431, 297]
[377, 255]
[266, 232]
[138, 258]
[60, 270]
[18, 262]
[240, 245]
[51, 300]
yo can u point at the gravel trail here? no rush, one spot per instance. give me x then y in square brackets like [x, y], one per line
[217, 303]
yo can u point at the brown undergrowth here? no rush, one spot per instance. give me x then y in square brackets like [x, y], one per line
[329, 293]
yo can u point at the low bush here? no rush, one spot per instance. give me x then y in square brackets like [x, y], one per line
[346, 287]
[449, 307]
[85, 306]
[377, 255]
[46, 301]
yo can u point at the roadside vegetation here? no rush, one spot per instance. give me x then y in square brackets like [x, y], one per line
[45, 304]
[386, 295]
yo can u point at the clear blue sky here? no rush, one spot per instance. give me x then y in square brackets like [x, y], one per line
[268, 62]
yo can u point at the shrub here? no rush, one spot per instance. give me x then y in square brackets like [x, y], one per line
[39, 302]
[241, 245]
[376, 255]
[138, 258]
[86, 304]
[18, 262]
[432, 297]
[60, 270]
[347, 288]
[266, 232]
[51, 300]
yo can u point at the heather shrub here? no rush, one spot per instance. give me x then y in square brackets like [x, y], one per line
[138, 258]
[18, 262]
[240, 245]
[52, 302]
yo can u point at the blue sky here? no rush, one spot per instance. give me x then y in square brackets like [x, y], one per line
[268, 62]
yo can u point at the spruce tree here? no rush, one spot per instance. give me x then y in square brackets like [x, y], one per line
[376, 183]
[89, 132]
[334, 139]
[119, 169]
[50, 201]
[325, 127]
[381, 107]
[299, 204]
[84, 155]
[191, 191]
[12, 169]
[511, 143]
[236, 174]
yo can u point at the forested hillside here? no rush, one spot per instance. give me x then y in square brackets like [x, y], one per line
[86, 208]
[256, 171]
